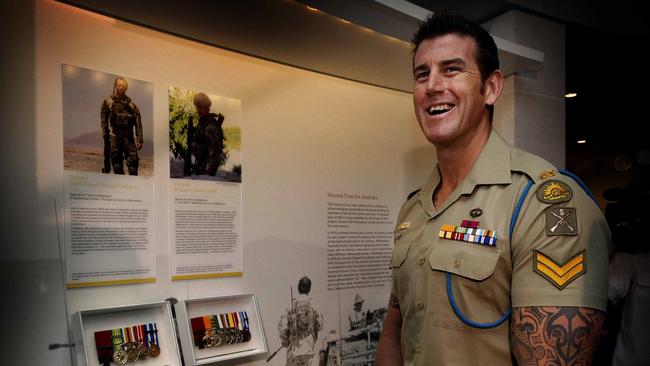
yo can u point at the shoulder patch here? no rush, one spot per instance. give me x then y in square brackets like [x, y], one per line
[554, 191]
[561, 221]
[560, 275]
[412, 194]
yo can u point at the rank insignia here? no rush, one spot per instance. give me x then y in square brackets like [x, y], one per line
[561, 221]
[404, 225]
[547, 174]
[560, 275]
[554, 191]
[469, 232]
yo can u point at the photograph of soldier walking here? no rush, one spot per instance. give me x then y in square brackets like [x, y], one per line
[299, 327]
[204, 136]
[120, 116]
[106, 133]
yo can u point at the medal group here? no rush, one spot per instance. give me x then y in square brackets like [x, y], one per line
[128, 344]
[219, 330]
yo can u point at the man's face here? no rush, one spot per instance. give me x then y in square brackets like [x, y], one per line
[447, 96]
[120, 87]
[357, 306]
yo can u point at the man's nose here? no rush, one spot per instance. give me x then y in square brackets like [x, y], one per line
[435, 83]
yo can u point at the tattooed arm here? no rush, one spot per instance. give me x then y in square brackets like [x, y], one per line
[556, 336]
[389, 349]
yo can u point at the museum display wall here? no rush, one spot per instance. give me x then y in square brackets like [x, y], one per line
[324, 164]
[313, 171]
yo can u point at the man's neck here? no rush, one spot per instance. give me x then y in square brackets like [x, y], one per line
[456, 160]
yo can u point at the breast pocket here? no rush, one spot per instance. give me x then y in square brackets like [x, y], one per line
[473, 261]
[480, 296]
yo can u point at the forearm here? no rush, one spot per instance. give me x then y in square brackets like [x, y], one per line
[389, 349]
[552, 335]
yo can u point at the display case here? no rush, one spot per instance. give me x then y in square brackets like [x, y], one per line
[220, 328]
[142, 335]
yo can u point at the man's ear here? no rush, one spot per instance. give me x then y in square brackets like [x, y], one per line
[493, 87]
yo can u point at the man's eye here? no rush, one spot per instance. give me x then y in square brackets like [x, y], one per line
[452, 69]
[421, 75]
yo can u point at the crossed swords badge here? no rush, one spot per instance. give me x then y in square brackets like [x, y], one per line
[561, 221]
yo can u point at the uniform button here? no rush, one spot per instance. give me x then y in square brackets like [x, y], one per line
[417, 348]
[457, 263]
[420, 305]
[421, 260]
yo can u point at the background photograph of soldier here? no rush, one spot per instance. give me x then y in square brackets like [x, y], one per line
[120, 116]
[204, 136]
[107, 122]
[299, 327]
[357, 317]
[359, 340]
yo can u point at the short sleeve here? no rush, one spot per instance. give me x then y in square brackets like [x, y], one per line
[559, 248]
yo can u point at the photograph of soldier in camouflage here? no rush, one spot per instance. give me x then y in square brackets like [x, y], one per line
[107, 122]
[204, 136]
[308, 340]
[299, 326]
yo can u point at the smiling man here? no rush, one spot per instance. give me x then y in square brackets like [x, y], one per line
[499, 254]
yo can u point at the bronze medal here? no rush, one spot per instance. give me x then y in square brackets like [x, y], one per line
[240, 336]
[247, 335]
[207, 340]
[143, 351]
[217, 341]
[154, 350]
[120, 357]
[131, 354]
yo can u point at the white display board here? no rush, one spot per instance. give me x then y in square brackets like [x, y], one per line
[312, 141]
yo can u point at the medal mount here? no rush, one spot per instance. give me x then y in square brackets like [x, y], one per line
[220, 328]
[134, 334]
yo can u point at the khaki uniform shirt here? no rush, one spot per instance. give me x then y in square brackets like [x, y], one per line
[534, 267]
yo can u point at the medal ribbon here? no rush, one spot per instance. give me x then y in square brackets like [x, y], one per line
[129, 335]
[155, 334]
[231, 323]
[237, 322]
[245, 317]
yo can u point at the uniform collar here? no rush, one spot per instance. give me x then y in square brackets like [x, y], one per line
[491, 167]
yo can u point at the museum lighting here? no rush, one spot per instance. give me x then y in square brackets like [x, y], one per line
[570, 95]
[582, 141]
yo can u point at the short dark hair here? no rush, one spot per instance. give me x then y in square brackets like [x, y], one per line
[437, 25]
[304, 285]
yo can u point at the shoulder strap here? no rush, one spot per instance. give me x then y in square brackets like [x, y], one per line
[580, 183]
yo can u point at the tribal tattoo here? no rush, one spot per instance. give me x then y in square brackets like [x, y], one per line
[392, 301]
[555, 336]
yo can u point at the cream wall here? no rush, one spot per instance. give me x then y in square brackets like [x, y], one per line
[303, 134]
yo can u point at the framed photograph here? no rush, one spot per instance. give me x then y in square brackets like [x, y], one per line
[220, 328]
[144, 333]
